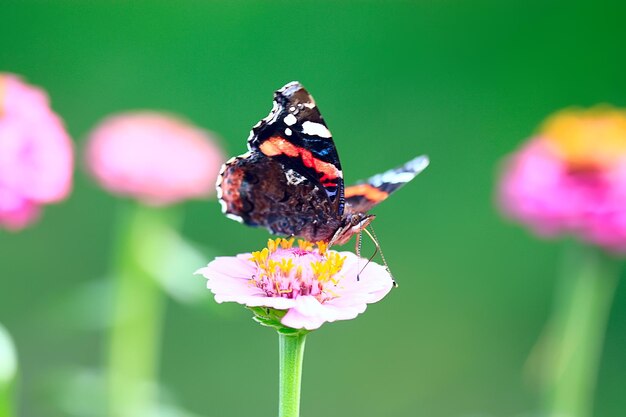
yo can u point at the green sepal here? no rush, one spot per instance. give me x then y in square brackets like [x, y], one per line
[270, 317]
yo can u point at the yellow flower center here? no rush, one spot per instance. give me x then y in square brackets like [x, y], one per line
[287, 271]
[593, 138]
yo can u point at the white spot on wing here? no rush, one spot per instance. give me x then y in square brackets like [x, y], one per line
[218, 186]
[418, 164]
[234, 217]
[392, 177]
[290, 119]
[293, 178]
[288, 86]
[224, 206]
[401, 175]
[288, 132]
[316, 129]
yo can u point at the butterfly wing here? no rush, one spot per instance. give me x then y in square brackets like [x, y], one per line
[258, 191]
[364, 195]
[291, 181]
[295, 135]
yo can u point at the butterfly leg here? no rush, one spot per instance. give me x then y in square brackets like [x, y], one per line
[372, 236]
[357, 248]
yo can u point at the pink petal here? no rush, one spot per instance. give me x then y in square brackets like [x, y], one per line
[353, 296]
[279, 303]
[239, 266]
[374, 281]
[16, 217]
[229, 280]
[154, 157]
[295, 320]
[537, 188]
[229, 277]
[36, 155]
[308, 314]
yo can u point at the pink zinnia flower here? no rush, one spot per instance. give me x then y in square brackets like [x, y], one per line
[154, 157]
[310, 285]
[36, 159]
[571, 178]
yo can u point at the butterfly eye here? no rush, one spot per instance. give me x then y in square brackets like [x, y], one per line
[355, 220]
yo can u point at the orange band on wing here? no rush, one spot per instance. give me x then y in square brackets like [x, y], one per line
[280, 146]
[366, 190]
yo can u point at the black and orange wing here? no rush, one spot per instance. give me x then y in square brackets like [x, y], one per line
[290, 181]
[364, 195]
[256, 190]
[295, 134]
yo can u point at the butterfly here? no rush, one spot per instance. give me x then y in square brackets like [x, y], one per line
[290, 181]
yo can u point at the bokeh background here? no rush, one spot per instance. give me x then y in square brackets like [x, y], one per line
[462, 81]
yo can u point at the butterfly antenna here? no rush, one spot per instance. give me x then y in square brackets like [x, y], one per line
[371, 257]
[374, 238]
[357, 248]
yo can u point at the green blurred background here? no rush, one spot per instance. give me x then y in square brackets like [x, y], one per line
[462, 81]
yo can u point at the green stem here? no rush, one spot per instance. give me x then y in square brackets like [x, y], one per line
[6, 400]
[291, 348]
[138, 306]
[8, 373]
[579, 323]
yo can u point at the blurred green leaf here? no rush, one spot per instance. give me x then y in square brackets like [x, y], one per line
[175, 265]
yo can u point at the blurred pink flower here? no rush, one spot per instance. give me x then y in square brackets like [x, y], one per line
[36, 156]
[154, 157]
[313, 285]
[571, 178]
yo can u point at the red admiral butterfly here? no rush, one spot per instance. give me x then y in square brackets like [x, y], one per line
[291, 181]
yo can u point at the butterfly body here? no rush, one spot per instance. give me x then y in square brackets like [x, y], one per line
[291, 182]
